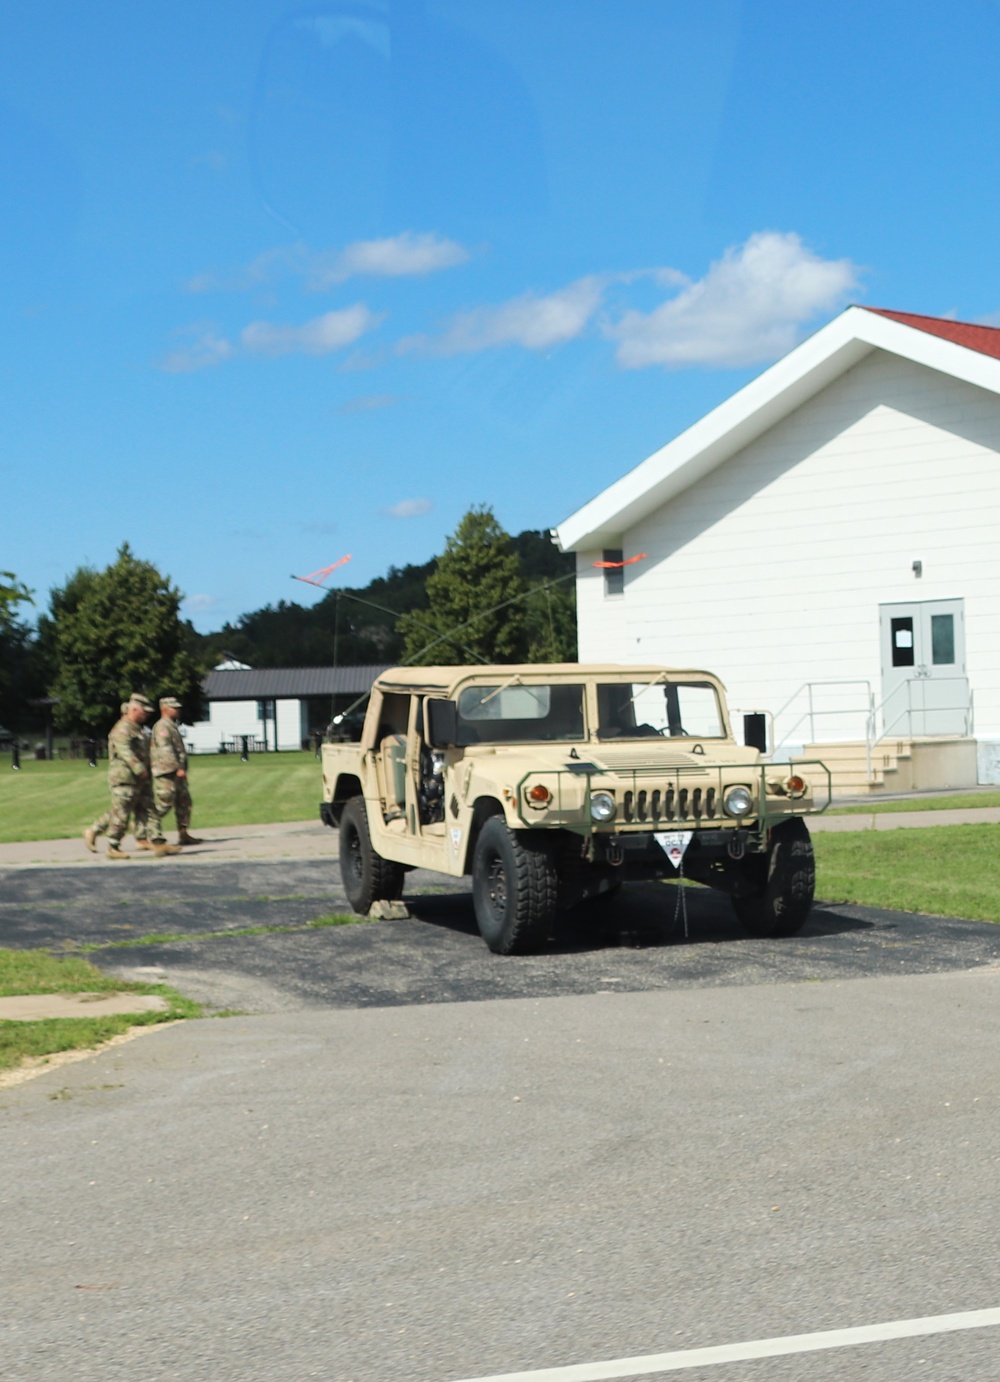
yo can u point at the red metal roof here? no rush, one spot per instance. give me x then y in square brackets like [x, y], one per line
[985, 339]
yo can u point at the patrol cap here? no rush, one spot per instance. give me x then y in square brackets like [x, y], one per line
[170, 701]
[137, 699]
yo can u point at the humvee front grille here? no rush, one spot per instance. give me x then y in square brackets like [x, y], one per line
[670, 804]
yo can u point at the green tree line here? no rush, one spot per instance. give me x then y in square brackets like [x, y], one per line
[488, 597]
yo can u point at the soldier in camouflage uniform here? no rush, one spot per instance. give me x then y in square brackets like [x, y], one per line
[168, 757]
[128, 769]
[144, 806]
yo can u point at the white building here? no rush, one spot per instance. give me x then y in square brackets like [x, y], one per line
[272, 707]
[826, 540]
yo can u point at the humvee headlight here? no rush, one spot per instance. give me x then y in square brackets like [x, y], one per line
[602, 806]
[738, 801]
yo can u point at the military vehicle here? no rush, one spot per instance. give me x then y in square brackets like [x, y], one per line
[552, 784]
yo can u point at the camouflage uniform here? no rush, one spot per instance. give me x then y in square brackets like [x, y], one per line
[128, 774]
[145, 809]
[167, 755]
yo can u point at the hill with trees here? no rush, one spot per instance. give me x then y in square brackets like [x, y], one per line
[371, 624]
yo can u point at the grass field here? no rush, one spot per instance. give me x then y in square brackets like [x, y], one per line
[956, 801]
[945, 870]
[51, 801]
[38, 971]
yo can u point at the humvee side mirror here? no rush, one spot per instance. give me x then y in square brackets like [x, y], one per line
[442, 723]
[755, 732]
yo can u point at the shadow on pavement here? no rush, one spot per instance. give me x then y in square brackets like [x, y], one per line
[640, 916]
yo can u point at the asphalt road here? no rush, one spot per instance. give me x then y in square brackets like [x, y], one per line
[656, 1142]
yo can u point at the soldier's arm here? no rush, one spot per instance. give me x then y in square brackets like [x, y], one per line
[182, 758]
[165, 751]
[126, 753]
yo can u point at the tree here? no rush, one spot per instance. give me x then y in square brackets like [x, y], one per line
[113, 632]
[475, 600]
[551, 622]
[12, 594]
[16, 663]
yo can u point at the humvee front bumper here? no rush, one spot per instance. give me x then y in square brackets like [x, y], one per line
[652, 799]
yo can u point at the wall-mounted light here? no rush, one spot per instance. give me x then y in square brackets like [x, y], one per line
[918, 569]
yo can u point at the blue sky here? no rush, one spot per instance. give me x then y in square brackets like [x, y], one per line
[282, 282]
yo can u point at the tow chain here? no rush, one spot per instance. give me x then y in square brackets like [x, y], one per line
[680, 910]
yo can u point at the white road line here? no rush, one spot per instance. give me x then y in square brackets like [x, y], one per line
[651, 1363]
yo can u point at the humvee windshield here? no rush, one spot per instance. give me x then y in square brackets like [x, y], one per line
[516, 714]
[677, 710]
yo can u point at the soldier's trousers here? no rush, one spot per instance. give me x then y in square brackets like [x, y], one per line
[171, 792]
[130, 799]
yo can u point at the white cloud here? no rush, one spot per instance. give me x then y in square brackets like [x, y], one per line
[197, 604]
[531, 321]
[408, 255]
[750, 307]
[332, 331]
[206, 348]
[369, 403]
[266, 267]
[409, 508]
[398, 256]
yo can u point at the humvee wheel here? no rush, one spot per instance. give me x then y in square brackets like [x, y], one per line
[784, 893]
[366, 876]
[515, 886]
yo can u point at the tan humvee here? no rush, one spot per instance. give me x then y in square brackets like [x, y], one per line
[550, 784]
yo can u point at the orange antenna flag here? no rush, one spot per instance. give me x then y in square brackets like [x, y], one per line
[318, 577]
[616, 565]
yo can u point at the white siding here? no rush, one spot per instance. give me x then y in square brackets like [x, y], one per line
[292, 724]
[602, 634]
[227, 720]
[771, 569]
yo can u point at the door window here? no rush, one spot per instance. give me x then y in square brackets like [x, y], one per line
[902, 642]
[942, 639]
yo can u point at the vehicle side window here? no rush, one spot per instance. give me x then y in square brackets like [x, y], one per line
[394, 716]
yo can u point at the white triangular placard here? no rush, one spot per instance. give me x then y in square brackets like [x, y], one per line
[673, 843]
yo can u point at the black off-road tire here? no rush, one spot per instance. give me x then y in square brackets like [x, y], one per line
[366, 876]
[515, 886]
[783, 894]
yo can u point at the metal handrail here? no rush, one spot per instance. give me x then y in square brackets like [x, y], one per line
[874, 709]
[811, 713]
[966, 706]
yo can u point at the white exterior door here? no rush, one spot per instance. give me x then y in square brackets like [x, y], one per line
[925, 690]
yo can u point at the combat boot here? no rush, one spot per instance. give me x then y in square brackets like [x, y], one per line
[162, 850]
[115, 853]
[144, 844]
[183, 838]
[90, 839]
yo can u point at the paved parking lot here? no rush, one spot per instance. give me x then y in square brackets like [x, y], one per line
[635, 941]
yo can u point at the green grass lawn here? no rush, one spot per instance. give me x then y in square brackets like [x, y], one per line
[936, 803]
[38, 971]
[50, 801]
[945, 870]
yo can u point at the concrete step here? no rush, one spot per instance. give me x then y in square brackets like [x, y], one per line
[899, 765]
[849, 766]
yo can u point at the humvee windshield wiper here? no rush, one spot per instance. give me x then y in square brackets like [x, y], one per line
[660, 678]
[515, 680]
